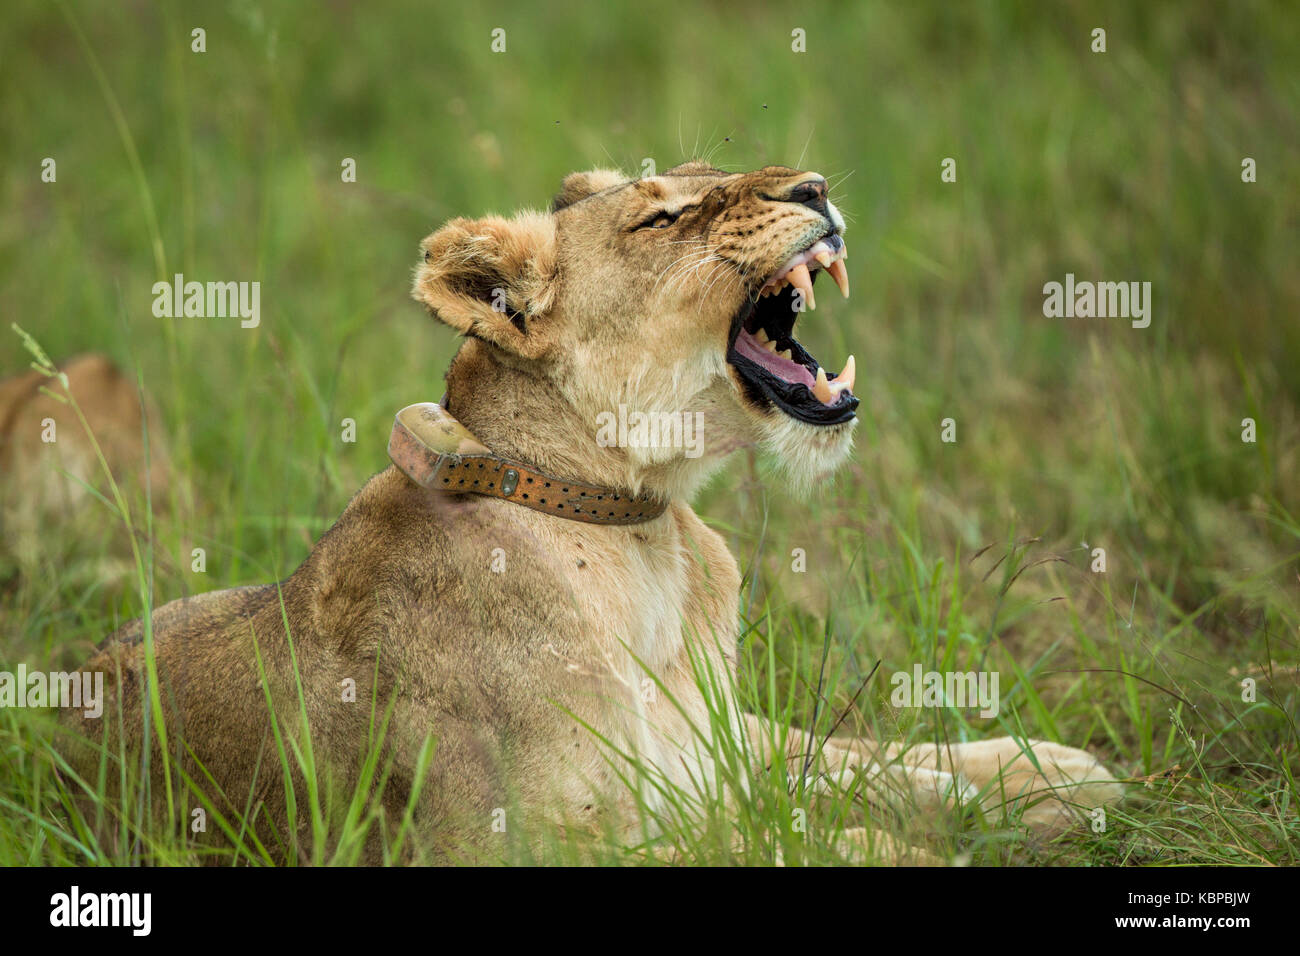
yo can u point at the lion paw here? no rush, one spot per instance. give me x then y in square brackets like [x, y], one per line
[1066, 782]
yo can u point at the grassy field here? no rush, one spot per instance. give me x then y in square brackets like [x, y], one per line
[978, 554]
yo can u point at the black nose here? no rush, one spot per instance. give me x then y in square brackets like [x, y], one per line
[810, 192]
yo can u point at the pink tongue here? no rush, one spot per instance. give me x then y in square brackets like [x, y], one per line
[782, 368]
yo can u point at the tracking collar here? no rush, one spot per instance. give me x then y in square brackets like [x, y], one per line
[440, 454]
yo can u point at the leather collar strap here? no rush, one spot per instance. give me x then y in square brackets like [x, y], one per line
[437, 452]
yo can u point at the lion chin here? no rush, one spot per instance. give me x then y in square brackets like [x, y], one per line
[804, 455]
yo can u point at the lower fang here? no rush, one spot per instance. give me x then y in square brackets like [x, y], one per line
[846, 378]
[822, 388]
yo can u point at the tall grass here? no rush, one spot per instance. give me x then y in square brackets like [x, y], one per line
[1071, 434]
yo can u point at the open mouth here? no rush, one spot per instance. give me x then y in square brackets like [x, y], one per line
[773, 366]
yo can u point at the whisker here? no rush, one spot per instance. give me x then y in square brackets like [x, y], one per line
[668, 268]
[687, 267]
[804, 152]
[832, 181]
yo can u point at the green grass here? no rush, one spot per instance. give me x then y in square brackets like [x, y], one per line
[1123, 165]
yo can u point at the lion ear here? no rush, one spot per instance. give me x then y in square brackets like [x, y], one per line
[581, 185]
[492, 278]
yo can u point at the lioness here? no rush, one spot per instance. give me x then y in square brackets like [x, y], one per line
[515, 598]
[48, 517]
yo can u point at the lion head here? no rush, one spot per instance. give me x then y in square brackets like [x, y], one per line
[675, 294]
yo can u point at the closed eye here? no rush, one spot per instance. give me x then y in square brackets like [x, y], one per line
[661, 219]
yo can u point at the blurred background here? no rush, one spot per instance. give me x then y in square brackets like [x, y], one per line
[1077, 433]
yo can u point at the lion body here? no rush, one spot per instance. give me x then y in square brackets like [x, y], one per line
[544, 658]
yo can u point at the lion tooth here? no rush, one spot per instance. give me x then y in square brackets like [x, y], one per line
[845, 378]
[799, 278]
[786, 354]
[824, 258]
[822, 388]
[840, 274]
[770, 346]
[761, 335]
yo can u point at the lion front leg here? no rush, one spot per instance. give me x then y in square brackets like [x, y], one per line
[843, 763]
[1050, 783]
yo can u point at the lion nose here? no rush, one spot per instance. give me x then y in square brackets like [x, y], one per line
[810, 192]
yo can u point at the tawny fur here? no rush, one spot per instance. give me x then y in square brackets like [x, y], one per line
[48, 518]
[567, 314]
